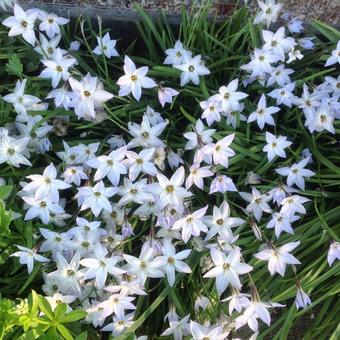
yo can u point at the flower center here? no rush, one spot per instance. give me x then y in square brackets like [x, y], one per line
[24, 24]
[11, 151]
[191, 68]
[178, 54]
[133, 77]
[169, 188]
[50, 20]
[139, 161]
[143, 264]
[42, 204]
[73, 171]
[87, 93]
[133, 191]
[226, 266]
[171, 260]
[145, 135]
[109, 162]
[220, 221]
[323, 118]
[97, 194]
[59, 68]
[268, 10]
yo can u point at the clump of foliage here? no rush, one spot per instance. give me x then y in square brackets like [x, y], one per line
[195, 196]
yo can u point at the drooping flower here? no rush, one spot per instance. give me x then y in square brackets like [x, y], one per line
[333, 252]
[302, 300]
[165, 95]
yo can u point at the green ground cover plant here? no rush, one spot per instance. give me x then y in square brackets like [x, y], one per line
[186, 189]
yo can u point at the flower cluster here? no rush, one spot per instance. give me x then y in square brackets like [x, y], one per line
[114, 214]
